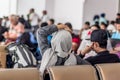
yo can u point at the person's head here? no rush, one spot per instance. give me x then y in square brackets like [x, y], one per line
[61, 42]
[59, 23]
[32, 10]
[118, 15]
[69, 25]
[99, 40]
[95, 27]
[112, 22]
[103, 15]
[1, 21]
[96, 17]
[103, 26]
[44, 12]
[51, 21]
[118, 24]
[44, 24]
[86, 25]
[75, 44]
[13, 19]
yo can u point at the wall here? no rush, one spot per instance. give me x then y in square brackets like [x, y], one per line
[25, 5]
[67, 11]
[8, 7]
[13, 7]
[92, 7]
[4, 8]
[50, 5]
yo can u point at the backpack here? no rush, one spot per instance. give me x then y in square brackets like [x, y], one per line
[29, 39]
[21, 55]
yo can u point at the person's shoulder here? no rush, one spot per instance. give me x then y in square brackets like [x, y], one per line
[91, 58]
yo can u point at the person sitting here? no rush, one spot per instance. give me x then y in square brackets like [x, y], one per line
[116, 35]
[60, 51]
[51, 22]
[103, 18]
[83, 32]
[75, 37]
[45, 16]
[15, 29]
[111, 27]
[86, 42]
[99, 44]
[118, 16]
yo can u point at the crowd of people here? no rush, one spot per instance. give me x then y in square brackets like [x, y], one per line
[59, 45]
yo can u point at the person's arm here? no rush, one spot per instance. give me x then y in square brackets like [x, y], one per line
[80, 33]
[42, 34]
[86, 50]
[31, 17]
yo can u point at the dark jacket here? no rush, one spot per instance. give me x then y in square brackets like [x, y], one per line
[103, 57]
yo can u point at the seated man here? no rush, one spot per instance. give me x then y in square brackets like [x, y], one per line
[99, 44]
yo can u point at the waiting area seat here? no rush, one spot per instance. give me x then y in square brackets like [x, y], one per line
[3, 54]
[109, 71]
[19, 74]
[82, 72]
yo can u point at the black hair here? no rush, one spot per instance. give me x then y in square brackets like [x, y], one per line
[69, 25]
[32, 9]
[96, 23]
[102, 15]
[100, 36]
[118, 20]
[97, 26]
[87, 23]
[44, 12]
[96, 17]
[44, 24]
[112, 22]
[102, 23]
[59, 23]
[118, 14]
[52, 21]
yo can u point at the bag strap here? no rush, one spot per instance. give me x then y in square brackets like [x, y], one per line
[61, 61]
[23, 54]
[108, 34]
[29, 54]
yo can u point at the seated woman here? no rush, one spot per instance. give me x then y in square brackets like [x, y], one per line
[60, 51]
[15, 30]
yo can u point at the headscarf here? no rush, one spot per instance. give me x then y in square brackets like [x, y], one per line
[61, 45]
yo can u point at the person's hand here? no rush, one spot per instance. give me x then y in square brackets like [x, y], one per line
[113, 52]
[117, 49]
[68, 29]
[6, 35]
[87, 49]
[78, 52]
[61, 26]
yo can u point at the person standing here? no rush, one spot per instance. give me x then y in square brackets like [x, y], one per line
[34, 18]
[45, 17]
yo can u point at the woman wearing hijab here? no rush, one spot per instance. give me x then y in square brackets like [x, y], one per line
[60, 51]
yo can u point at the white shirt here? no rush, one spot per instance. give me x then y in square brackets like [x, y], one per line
[85, 34]
[111, 27]
[34, 19]
[3, 22]
[45, 18]
[7, 24]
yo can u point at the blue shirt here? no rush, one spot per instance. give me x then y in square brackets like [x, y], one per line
[116, 35]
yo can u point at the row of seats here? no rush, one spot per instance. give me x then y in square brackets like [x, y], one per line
[19, 74]
[82, 72]
[86, 72]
